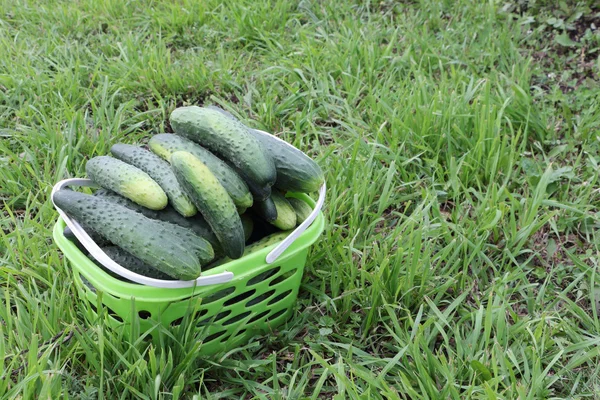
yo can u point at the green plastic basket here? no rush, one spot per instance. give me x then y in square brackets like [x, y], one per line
[258, 294]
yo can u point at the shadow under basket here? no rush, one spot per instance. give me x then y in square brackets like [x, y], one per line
[260, 296]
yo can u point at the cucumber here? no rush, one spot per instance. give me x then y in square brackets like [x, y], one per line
[248, 225]
[265, 209]
[231, 140]
[256, 246]
[295, 170]
[261, 228]
[132, 263]
[160, 171]
[301, 208]
[165, 144]
[196, 223]
[99, 240]
[127, 180]
[212, 201]
[169, 248]
[116, 198]
[286, 215]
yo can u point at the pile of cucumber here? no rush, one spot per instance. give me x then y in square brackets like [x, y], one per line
[212, 192]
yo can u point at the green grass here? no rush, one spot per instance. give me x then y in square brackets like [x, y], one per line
[460, 259]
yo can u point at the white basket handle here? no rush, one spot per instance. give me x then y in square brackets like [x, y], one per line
[287, 242]
[281, 247]
[100, 256]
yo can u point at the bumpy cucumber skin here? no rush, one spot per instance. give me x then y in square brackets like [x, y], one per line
[116, 198]
[132, 263]
[212, 201]
[196, 223]
[160, 171]
[99, 240]
[286, 215]
[266, 209]
[296, 171]
[166, 144]
[127, 180]
[169, 248]
[301, 208]
[228, 138]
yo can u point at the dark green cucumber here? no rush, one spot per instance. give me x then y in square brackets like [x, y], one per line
[127, 180]
[196, 223]
[211, 200]
[165, 144]
[230, 139]
[116, 198]
[248, 225]
[295, 170]
[160, 171]
[301, 208]
[174, 250]
[256, 246]
[261, 228]
[286, 215]
[99, 240]
[276, 210]
[132, 263]
[266, 209]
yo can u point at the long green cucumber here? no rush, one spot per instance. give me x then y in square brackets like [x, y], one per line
[127, 180]
[277, 211]
[171, 249]
[295, 170]
[211, 200]
[196, 223]
[133, 263]
[286, 215]
[166, 144]
[160, 171]
[266, 209]
[231, 140]
[301, 208]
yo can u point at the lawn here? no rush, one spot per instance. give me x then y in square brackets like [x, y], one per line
[460, 141]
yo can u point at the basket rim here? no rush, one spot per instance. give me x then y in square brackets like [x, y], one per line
[240, 268]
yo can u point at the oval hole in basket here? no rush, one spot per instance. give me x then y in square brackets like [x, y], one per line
[144, 314]
[215, 318]
[277, 314]
[240, 297]
[237, 318]
[93, 307]
[263, 276]
[279, 297]
[240, 333]
[217, 295]
[260, 298]
[259, 316]
[197, 314]
[214, 336]
[113, 314]
[282, 277]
